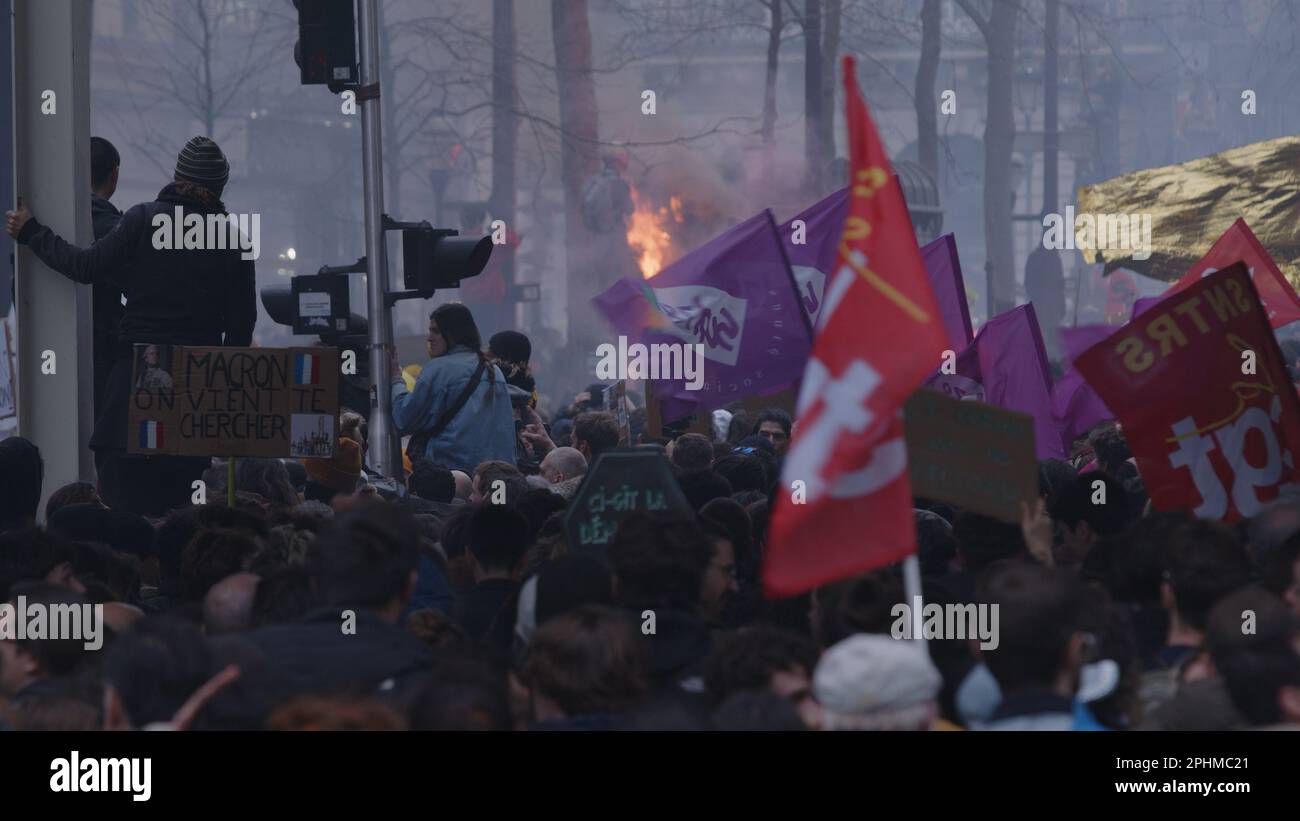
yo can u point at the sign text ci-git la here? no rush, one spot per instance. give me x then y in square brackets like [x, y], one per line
[200, 401]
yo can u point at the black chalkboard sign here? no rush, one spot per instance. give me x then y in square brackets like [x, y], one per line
[622, 482]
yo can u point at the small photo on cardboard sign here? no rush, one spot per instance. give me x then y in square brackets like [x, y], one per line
[153, 368]
[311, 435]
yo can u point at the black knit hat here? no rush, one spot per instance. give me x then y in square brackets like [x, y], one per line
[202, 162]
[511, 346]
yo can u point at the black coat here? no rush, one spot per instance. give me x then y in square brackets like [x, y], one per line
[174, 297]
[316, 656]
[107, 302]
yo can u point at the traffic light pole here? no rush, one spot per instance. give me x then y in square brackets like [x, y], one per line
[385, 456]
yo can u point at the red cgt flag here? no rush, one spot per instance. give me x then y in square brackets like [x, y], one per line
[1239, 243]
[879, 334]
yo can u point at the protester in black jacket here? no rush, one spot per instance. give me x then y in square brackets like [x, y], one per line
[107, 293]
[175, 296]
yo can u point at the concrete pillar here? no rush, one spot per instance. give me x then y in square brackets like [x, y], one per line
[51, 53]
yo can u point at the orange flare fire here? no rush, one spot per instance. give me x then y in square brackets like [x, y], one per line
[646, 234]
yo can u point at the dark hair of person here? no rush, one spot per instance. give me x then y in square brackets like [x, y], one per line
[73, 493]
[155, 666]
[454, 532]
[773, 415]
[457, 327]
[598, 429]
[212, 555]
[861, 604]
[1052, 474]
[497, 536]
[741, 425]
[588, 661]
[29, 553]
[21, 473]
[1072, 503]
[731, 518]
[1279, 571]
[56, 656]
[703, 486]
[365, 558]
[432, 481]
[283, 596]
[983, 540]
[1203, 563]
[536, 505]
[1111, 448]
[1139, 564]
[1255, 665]
[692, 451]
[659, 560]
[936, 547]
[462, 694]
[743, 472]
[103, 159]
[1040, 609]
[748, 658]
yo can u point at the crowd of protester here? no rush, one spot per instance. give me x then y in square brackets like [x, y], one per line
[329, 596]
[325, 599]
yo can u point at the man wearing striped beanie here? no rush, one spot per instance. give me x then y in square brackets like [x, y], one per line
[202, 162]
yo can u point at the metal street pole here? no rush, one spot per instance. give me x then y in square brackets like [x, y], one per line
[384, 454]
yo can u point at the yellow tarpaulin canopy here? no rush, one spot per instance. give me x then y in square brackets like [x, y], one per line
[1193, 203]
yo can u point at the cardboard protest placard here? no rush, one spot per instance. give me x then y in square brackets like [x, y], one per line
[1207, 407]
[622, 482]
[970, 454]
[266, 402]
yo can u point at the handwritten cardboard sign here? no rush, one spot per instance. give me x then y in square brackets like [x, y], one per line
[622, 482]
[976, 456]
[267, 402]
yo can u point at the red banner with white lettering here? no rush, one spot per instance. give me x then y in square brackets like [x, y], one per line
[845, 504]
[1239, 244]
[1200, 389]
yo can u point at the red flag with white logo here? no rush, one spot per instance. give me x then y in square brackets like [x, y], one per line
[1239, 243]
[1199, 384]
[845, 503]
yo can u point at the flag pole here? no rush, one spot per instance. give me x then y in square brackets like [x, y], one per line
[912, 591]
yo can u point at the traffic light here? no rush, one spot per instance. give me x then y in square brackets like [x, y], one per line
[434, 258]
[326, 50]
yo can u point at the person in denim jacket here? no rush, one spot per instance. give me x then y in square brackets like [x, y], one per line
[480, 431]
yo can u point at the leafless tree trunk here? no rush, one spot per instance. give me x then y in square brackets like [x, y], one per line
[927, 70]
[812, 94]
[579, 132]
[769, 84]
[830, 51]
[999, 30]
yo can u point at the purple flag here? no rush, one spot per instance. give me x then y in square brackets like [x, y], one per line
[941, 262]
[735, 298]
[1006, 366]
[1076, 406]
[812, 259]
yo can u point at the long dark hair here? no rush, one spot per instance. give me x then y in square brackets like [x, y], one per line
[457, 327]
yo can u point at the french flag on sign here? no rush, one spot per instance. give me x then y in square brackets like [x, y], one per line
[306, 369]
[151, 435]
